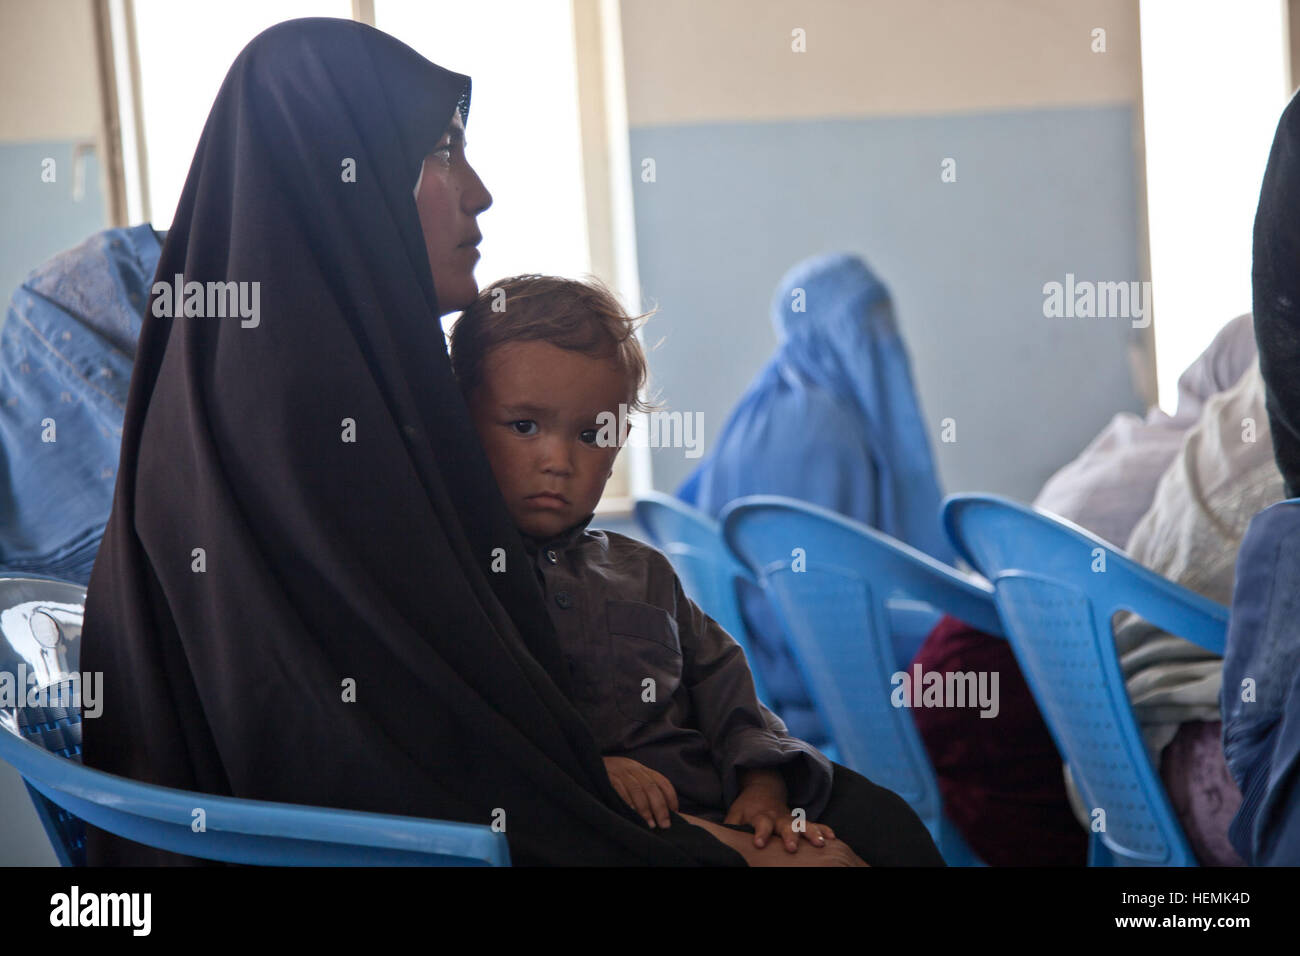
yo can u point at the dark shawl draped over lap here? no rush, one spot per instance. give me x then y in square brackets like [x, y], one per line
[323, 560]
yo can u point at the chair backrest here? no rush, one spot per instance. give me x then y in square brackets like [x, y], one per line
[831, 579]
[40, 647]
[40, 736]
[1058, 588]
[693, 543]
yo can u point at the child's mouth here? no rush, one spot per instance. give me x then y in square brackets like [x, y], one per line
[547, 501]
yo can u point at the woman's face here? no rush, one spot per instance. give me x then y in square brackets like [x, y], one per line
[449, 200]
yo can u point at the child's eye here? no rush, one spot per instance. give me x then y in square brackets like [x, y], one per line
[523, 421]
[593, 432]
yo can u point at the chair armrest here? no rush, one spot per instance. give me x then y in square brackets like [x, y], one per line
[1177, 610]
[261, 831]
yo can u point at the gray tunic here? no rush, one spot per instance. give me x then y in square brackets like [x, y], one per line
[659, 681]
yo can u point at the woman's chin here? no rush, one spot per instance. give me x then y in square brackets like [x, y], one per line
[455, 295]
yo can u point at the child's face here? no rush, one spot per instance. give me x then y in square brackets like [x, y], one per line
[536, 411]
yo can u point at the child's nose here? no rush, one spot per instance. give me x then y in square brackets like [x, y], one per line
[557, 457]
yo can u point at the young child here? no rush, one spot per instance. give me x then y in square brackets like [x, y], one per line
[665, 690]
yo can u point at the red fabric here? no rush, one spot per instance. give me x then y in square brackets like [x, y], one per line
[1202, 791]
[1001, 777]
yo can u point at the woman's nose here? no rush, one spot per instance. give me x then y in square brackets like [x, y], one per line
[475, 197]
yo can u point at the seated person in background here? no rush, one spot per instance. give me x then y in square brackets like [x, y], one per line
[832, 419]
[1222, 477]
[666, 692]
[1261, 690]
[1193, 480]
[1261, 672]
[1111, 484]
[66, 352]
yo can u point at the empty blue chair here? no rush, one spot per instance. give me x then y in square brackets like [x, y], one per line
[1057, 589]
[693, 543]
[832, 579]
[40, 624]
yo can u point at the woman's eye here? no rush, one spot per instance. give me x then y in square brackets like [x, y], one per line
[523, 422]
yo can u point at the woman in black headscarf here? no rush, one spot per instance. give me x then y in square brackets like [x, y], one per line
[1275, 282]
[296, 598]
[1261, 731]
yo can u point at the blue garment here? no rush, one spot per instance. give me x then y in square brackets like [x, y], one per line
[832, 419]
[1261, 734]
[66, 353]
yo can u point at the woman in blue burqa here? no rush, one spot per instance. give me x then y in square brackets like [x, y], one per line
[66, 352]
[832, 419]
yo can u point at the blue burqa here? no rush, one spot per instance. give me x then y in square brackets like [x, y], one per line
[66, 355]
[831, 419]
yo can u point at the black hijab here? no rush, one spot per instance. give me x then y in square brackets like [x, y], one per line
[1275, 280]
[327, 561]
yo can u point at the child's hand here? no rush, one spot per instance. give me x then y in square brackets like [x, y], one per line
[762, 805]
[647, 791]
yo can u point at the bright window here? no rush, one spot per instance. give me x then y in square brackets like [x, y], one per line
[1214, 83]
[185, 52]
[523, 133]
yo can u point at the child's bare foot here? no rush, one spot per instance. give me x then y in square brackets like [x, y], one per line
[834, 853]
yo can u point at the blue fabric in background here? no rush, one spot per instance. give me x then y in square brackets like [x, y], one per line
[1261, 730]
[831, 419]
[66, 353]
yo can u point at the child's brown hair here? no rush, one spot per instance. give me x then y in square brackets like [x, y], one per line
[579, 315]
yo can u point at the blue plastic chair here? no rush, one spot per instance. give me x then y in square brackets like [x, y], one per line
[1058, 588]
[835, 607]
[40, 624]
[693, 543]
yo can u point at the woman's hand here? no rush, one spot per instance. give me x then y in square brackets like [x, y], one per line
[646, 791]
[762, 804]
